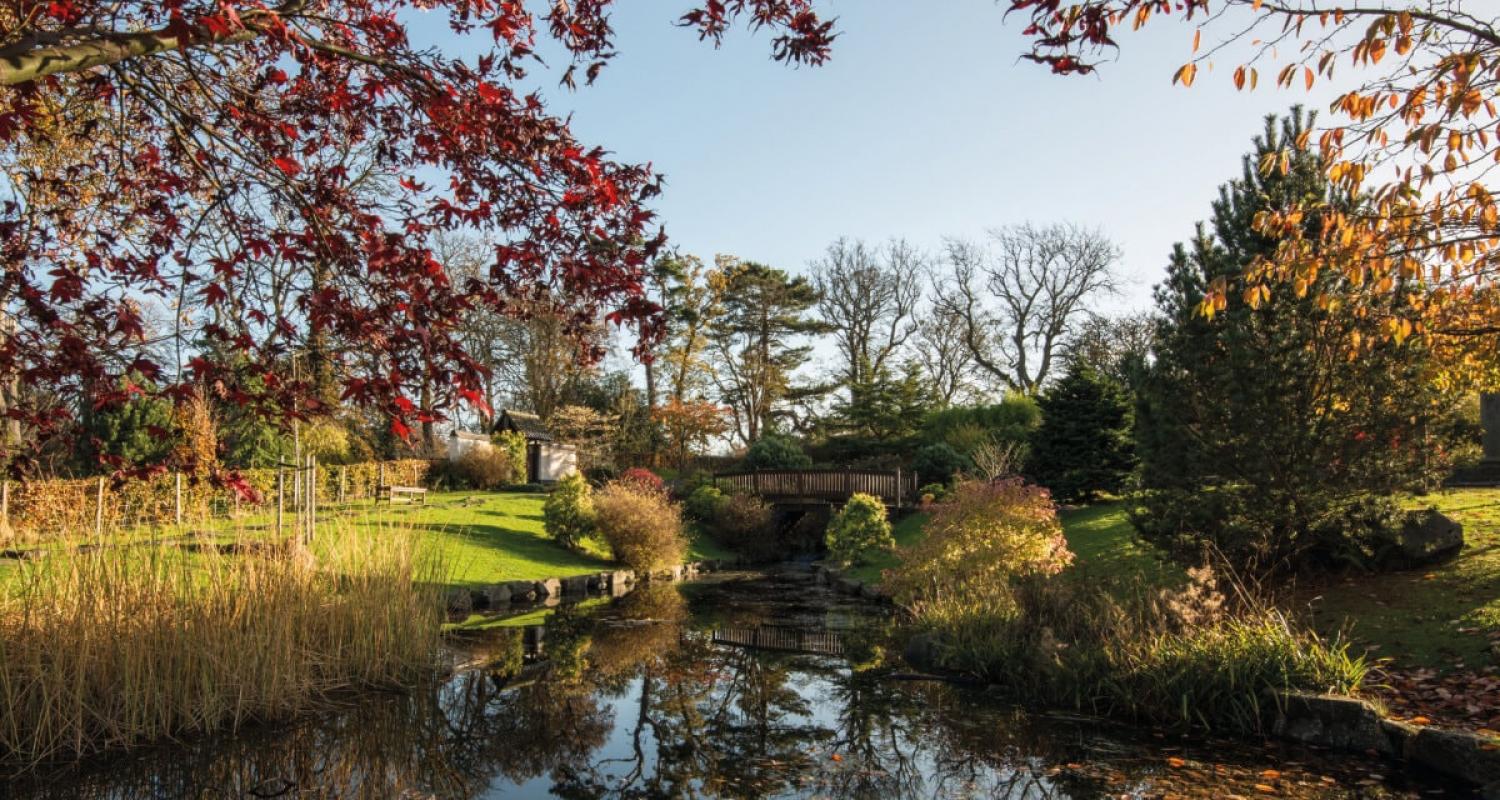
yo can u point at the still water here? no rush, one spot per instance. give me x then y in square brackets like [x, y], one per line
[740, 685]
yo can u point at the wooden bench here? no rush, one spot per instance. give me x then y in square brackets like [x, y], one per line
[414, 494]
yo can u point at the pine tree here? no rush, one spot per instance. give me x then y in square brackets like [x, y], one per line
[1255, 429]
[759, 341]
[1083, 446]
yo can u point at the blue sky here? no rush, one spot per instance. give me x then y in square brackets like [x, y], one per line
[924, 124]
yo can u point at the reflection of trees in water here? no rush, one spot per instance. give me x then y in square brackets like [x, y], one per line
[692, 719]
[709, 720]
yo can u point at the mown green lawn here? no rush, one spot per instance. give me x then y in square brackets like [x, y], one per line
[486, 537]
[1441, 616]
[906, 530]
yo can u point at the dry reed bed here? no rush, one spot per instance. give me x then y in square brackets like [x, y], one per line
[114, 647]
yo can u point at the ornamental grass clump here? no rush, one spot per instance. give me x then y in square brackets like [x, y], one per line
[116, 646]
[859, 530]
[989, 584]
[642, 527]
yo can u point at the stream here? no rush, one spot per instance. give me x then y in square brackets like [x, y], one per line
[741, 685]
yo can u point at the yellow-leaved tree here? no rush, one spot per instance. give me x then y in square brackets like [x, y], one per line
[1414, 131]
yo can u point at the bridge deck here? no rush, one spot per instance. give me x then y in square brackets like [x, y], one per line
[896, 488]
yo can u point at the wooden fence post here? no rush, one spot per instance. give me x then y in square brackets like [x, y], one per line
[5, 506]
[312, 497]
[99, 509]
[177, 498]
[280, 485]
[343, 477]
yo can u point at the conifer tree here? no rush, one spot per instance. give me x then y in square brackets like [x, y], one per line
[1256, 429]
[1083, 446]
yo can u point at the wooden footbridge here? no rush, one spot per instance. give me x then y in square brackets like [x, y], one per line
[898, 489]
[782, 639]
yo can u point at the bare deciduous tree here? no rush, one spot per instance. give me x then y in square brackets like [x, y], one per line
[1114, 346]
[944, 357]
[869, 297]
[1018, 296]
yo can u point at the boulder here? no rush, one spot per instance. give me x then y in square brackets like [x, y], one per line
[1428, 536]
[498, 595]
[521, 591]
[1339, 723]
[548, 587]
[575, 585]
[1468, 757]
[848, 586]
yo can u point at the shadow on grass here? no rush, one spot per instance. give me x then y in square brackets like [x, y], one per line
[504, 554]
[1109, 549]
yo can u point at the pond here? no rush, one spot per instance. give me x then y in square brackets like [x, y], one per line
[741, 685]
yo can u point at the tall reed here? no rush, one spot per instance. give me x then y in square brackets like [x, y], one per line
[116, 646]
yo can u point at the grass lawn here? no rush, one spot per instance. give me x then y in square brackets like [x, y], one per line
[906, 530]
[1441, 616]
[487, 537]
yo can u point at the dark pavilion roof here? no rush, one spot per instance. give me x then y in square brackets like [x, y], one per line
[530, 425]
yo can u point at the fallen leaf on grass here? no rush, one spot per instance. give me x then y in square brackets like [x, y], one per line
[1176, 763]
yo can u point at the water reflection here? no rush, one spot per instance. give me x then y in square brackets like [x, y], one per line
[639, 700]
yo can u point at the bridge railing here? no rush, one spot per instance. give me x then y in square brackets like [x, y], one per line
[897, 488]
[786, 639]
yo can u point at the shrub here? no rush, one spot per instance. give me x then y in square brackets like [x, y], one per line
[744, 523]
[513, 444]
[644, 479]
[483, 468]
[642, 527]
[938, 462]
[858, 529]
[934, 492]
[985, 535]
[568, 513]
[601, 474]
[704, 503]
[1010, 421]
[774, 451]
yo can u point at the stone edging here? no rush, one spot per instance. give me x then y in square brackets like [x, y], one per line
[1352, 725]
[845, 585]
[502, 595]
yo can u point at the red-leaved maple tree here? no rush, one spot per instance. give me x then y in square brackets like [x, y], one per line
[233, 196]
